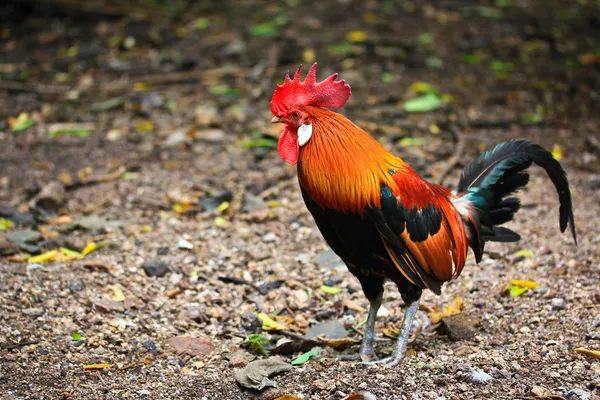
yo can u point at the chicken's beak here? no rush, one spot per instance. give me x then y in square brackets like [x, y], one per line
[276, 120]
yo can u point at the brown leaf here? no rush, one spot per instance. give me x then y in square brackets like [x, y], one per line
[190, 345]
[173, 292]
[339, 344]
[352, 305]
[453, 308]
[391, 332]
[458, 326]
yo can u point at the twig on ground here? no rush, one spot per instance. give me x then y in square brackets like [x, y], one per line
[456, 157]
[19, 345]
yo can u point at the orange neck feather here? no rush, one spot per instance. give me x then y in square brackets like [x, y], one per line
[342, 167]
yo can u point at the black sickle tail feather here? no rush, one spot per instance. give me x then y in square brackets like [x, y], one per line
[498, 173]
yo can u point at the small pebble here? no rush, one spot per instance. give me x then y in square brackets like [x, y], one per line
[33, 312]
[558, 303]
[150, 346]
[185, 245]
[34, 267]
[75, 286]
[157, 268]
[269, 237]
[540, 391]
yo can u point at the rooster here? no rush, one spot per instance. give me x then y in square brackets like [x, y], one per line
[381, 217]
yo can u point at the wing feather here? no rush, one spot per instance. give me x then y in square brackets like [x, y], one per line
[425, 241]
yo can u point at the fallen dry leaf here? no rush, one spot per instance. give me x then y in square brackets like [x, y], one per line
[173, 292]
[391, 332]
[95, 366]
[588, 352]
[256, 374]
[352, 305]
[453, 308]
[61, 220]
[339, 344]
[270, 324]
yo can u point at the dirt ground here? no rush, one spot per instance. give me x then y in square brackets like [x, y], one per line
[150, 125]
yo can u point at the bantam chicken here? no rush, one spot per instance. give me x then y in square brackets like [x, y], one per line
[380, 217]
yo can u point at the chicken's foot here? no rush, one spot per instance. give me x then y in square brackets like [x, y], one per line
[400, 347]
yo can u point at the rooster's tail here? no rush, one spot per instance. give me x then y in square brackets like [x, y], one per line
[487, 181]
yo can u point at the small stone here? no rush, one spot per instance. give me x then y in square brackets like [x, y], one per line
[558, 303]
[156, 268]
[34, 267]
[176, 138]
[333, 329]
[540, 391]
[194, 312]
[150, 346]
[363, 385]
[524, 329]
[207, 115]
[303, 258]
[578, 394]
[185, 245]
[51, 197]
[250, 322]
[319, 384]
[75, 286]
[239, 359]
[144, 392]
[270, 237]
[211, 135]
[33, 312]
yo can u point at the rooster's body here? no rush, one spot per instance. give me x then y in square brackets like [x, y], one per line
[380, 217]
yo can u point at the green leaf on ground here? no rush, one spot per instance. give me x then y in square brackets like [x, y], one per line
[22, 122]
[340, 49]
[201, 23]
[5, 224]
[426, 103]
[330, 289]
[79, 132]
[412, 141]
[76, 337]
[260, 142]
[266, 29]
[303, 358]
[257, 343]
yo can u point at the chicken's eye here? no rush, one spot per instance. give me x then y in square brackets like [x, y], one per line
[295, 115]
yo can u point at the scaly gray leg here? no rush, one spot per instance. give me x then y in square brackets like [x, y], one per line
[366, 347]
[400, 348]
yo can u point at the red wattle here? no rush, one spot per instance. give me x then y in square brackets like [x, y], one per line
[288, 147]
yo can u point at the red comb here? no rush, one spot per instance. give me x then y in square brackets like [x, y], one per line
[293, 93]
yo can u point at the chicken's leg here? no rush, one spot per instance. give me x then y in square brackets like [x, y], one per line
[400, 348]
[366, 347]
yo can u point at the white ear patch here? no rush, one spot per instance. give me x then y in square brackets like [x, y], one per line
[304, 134]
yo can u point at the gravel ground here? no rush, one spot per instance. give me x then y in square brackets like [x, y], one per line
[169, 191]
